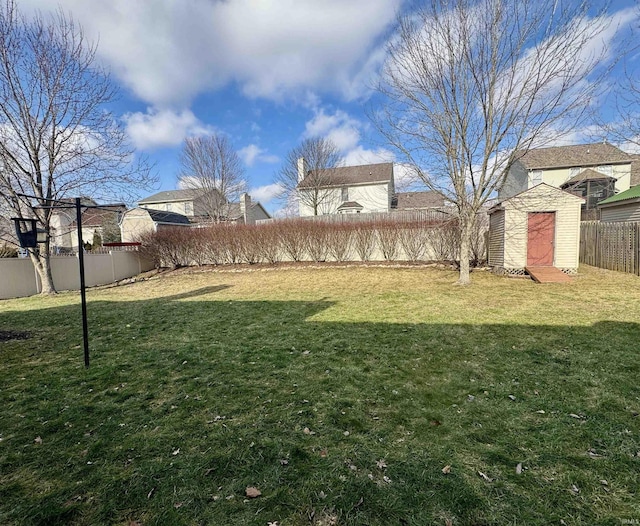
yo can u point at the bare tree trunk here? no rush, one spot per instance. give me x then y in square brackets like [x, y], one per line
[466, 228]
[42, 264]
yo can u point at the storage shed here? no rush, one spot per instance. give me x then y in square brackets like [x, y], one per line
[539, 227]
[624, 206]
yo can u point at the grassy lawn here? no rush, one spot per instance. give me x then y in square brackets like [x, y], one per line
[341, 394]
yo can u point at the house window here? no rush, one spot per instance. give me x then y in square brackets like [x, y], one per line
[606, 170]
[345, 194]
[535, 176]
[188, 208]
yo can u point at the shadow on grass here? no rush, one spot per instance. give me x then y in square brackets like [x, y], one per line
[189, 402]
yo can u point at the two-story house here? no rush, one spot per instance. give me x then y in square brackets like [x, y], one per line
[592, 171]
[365, 188]
[191, 203]
[345, 190]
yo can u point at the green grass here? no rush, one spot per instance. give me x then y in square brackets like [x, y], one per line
[202, 384]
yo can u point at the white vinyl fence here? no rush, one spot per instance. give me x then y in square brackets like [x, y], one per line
[19, 278]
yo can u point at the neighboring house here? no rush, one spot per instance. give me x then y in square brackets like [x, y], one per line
[592, 171]
[200, 205]
[246, 211]
[366, 188]
[624, 206]
[138, 221]
[537, 227]
[350, 189]
[98, 224]
[190, 203]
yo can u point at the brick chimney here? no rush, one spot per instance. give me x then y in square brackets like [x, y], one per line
[302, 171]
[245, 209]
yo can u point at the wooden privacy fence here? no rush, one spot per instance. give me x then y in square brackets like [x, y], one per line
[614, 246]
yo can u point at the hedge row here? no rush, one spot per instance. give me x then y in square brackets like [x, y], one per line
[302, 240]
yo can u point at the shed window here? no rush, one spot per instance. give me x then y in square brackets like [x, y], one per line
[345, 194]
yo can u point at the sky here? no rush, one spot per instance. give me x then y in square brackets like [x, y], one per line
[267, 73]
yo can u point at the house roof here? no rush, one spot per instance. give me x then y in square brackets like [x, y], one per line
[235, 212]
[418, 200]
[587, 175]
[174, 195]
[352, 175]
[95, 217]
[349, 205]
[160, 216]
[577, 155]
[632, 193]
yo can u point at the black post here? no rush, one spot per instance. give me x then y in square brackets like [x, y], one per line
[83, 294]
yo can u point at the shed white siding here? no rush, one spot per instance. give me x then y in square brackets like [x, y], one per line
[496, 239]
[541, 198]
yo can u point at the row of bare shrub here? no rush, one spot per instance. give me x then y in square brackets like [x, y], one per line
[304, 240]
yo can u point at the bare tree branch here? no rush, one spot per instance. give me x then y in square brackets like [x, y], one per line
[57, 139]
[471, 85]
[306, 181]
[210, 163]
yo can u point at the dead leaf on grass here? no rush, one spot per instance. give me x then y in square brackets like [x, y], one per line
[485, 477]
[382, 464]
[446, 470]
[252, 492]
[38, 440]
[519, 468]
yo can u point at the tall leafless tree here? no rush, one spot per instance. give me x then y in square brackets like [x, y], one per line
[211, 165]
[471, 85]
[57, 138]
[306, 172]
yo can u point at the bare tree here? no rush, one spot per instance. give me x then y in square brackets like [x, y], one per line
[210, 164]
[471, 85]
[307, 171]
[56, 138]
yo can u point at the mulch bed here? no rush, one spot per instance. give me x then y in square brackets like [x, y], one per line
[6, 336]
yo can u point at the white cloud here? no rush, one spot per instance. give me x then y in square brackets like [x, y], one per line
[340, 128]
[167, 52]
[252, 153]
[345, 132]
[158, 128]
[265, 194]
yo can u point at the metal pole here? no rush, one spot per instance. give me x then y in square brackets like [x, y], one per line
[83, 294]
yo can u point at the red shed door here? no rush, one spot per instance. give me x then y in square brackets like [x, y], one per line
[540, 237]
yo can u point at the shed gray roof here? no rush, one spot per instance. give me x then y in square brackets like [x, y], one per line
[174, 195]
[418, 200]
[350, 175]
[595, 154]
